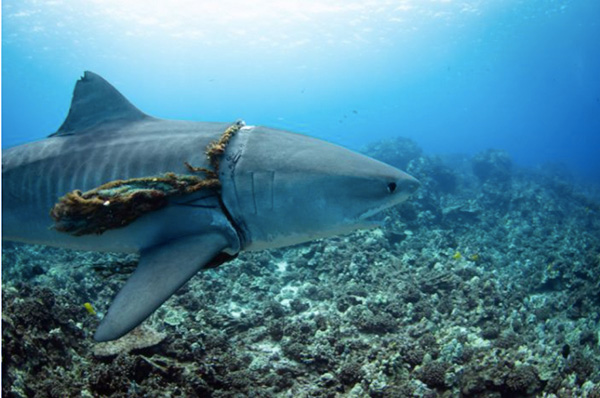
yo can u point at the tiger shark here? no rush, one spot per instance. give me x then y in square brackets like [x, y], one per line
[275, 188]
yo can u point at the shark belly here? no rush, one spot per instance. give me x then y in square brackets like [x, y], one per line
[148, 231]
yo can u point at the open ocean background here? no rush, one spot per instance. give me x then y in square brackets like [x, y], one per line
[455, 76]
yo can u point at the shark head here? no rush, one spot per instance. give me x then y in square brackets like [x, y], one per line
[288, 188]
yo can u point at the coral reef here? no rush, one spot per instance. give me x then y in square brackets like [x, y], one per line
[485, 285]
[492, 165]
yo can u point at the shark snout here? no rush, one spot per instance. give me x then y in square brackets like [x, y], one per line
[410, 184]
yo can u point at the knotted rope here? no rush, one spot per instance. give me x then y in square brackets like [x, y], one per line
[119, 203]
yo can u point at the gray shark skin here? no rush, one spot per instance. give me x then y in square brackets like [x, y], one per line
[277, 189]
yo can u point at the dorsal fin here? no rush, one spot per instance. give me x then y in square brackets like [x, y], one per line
[96, 101]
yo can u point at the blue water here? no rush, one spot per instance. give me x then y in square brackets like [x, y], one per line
[455, 76]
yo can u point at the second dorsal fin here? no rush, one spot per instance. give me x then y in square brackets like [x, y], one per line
[95, 101]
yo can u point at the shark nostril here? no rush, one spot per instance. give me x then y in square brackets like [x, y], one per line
[391, 187]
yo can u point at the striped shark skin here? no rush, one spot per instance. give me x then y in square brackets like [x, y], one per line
[276, 188]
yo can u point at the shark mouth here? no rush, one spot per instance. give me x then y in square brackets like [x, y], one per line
[375, 217]
[372, 218]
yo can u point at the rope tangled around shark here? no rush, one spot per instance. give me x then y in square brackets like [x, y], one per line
[118, 203]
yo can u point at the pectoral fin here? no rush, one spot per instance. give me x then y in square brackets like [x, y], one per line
[161, 271]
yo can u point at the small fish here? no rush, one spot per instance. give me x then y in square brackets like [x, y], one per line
[90, 309]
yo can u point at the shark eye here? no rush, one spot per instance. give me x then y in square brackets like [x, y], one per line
[391, 187]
